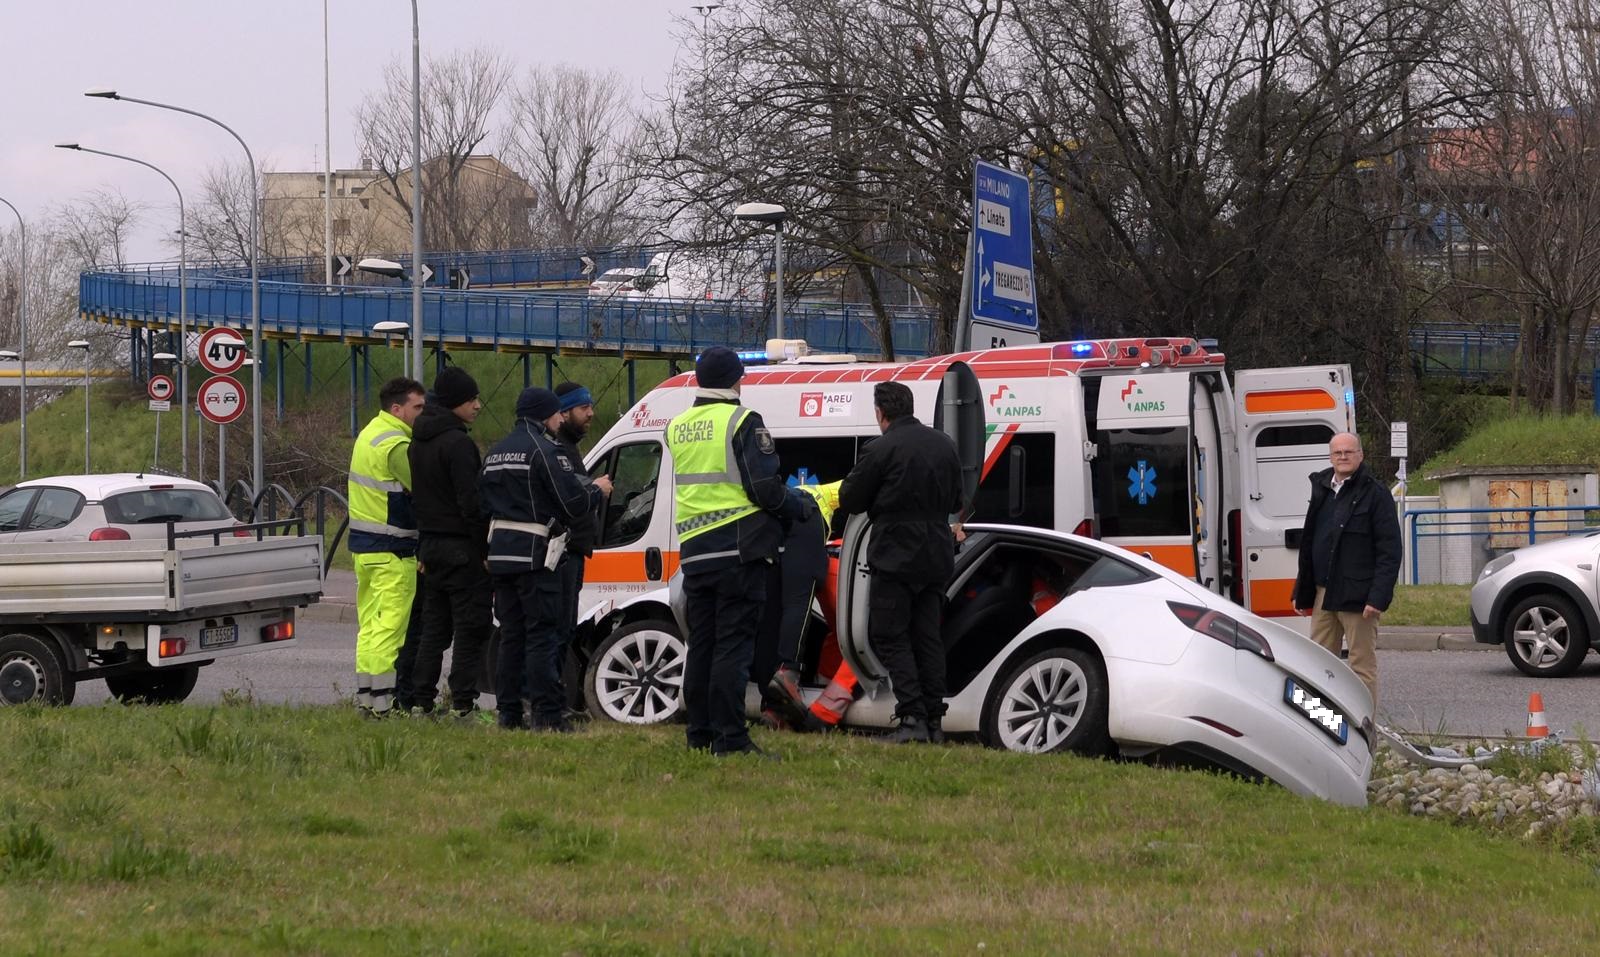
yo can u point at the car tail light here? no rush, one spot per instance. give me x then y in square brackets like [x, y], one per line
[1214, 624]
[281, 631]
[109, 534]
[1084, 528]
[172, 647]
[242, 533]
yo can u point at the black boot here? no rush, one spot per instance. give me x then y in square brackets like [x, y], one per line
[912, 730]
[936, 730]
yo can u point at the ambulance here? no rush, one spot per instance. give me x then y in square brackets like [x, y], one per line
[1148, 444]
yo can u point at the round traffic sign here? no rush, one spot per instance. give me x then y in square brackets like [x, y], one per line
[160, 387]
[221, 351]
[221, 399]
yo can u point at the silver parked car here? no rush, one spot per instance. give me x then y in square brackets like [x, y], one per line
[100, 508]
[1540, 602]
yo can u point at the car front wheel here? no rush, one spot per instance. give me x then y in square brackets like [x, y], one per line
[1052, 701]
[636, 674]
[1545, 636]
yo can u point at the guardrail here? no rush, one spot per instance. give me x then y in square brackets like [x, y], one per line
[1451, 545]
[237, 497]
[510, 321]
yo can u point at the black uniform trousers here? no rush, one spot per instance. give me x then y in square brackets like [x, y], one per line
[456, 611]
[903, 624]
[723, 611]
[531, 607]
[405, 662]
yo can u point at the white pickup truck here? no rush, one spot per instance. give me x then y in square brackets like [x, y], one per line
[146, 614]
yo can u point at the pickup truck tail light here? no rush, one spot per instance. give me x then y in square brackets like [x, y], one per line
[1214, 624]
[172, 647]
[109, 535]
[281, 631]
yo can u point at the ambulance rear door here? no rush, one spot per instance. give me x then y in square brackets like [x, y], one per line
[1284, 419]
[1157, 472]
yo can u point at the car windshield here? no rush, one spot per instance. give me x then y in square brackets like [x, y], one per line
[165, 505]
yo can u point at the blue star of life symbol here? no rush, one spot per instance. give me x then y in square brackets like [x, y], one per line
[1142, 482]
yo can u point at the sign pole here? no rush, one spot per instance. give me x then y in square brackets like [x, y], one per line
[963, 333]
[156, 455]
[222, 459]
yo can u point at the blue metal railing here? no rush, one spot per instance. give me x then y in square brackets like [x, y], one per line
[1492, 530]
[497, 320]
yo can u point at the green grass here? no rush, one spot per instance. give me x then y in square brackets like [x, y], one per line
[252, 830]
[1518, 440]
[123, 427]
[1444, 606]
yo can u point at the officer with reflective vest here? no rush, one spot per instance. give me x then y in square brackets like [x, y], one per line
[535, 493]
[383, 540]
[730, 504]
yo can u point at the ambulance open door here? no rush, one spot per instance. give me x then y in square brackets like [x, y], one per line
[1284, 419]
[958, 412]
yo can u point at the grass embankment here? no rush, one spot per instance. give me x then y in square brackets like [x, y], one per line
[123, 427]
[249, 830]
[1443, 606]
[1518, 440]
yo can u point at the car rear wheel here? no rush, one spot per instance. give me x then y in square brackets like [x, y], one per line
[32, 672]
[636, 674]
[1545, 636]
[1052, 701]
[163, 686]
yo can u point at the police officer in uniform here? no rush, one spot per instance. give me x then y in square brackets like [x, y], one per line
[383, 540]
[534, 493]
[730, 499]
[577, 413]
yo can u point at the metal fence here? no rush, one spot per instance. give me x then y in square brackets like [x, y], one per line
[1450, 546]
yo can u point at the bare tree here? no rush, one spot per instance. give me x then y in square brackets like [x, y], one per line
[469, 202]
[219, 218]
[1521, 176]
[571, 134]
[94, 230]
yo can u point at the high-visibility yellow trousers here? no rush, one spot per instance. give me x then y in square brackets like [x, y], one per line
[385, 586]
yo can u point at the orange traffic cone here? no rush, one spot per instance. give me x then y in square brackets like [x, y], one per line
[1536, 726]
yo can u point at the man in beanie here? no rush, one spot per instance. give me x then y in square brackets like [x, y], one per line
[730, 501]
[454, 527]
[577, 412]
[535, 494]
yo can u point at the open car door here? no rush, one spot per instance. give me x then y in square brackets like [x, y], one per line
[958, 412]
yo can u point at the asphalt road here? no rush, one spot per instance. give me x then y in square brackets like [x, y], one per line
[1461, 692]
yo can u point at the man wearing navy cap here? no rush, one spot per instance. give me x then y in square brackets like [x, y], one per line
[577, 412]
[729, 502]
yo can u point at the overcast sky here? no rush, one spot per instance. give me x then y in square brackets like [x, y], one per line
[256, 66]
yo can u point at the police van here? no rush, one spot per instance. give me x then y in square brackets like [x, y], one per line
[1142, 443]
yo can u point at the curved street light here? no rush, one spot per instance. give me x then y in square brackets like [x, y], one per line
[183, 297]
[255, 270]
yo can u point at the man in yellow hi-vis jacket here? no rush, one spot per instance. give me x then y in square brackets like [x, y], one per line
[729, 502]
[383, 540]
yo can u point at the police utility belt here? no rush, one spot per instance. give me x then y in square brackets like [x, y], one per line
[555, 546]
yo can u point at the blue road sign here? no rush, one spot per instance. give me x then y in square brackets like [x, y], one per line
[1002, 281]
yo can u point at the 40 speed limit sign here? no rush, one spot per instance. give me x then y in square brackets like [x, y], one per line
[221, 399]
[222, 352]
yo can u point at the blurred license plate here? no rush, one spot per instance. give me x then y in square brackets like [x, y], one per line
[1310, 704]
[219, 636]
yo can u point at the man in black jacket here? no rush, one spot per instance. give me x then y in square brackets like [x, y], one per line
[534, 493]
[1349, 557]
[577, 412]
[909, 482]
[454, 531]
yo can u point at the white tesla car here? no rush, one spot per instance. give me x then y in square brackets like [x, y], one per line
[1060, 643]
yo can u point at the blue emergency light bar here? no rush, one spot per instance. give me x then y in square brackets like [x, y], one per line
[753, 357]
[1082, 348]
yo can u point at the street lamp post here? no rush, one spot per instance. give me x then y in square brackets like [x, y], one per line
[183, 298]
[416, 193]
[255, 271]
[83, 344]
[22, 350]
[774, 214]
[390, 326]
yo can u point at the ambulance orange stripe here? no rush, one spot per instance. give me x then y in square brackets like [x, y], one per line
[1287, 400]
[1179, 558]
[1271, 596]
[610, 567]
